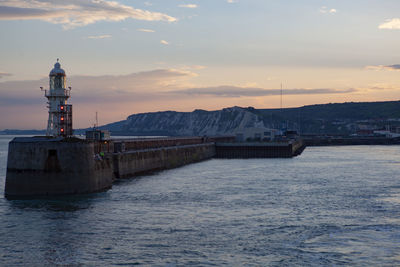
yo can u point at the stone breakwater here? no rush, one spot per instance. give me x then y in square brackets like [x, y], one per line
[138, 162]
[42, 166]
[248, 150]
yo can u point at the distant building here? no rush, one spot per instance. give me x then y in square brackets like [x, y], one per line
[365, 132]
[291, 134]
[387, 134]
[98, 135]
[256, 134]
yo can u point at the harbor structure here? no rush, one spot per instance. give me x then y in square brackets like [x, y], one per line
[97, 134]
[248, 150]
[256, 134]
[58, 163]
[61, 164]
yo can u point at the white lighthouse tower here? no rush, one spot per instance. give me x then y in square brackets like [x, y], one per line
[60, 113]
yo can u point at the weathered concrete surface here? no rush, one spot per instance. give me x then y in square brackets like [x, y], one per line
[131, 163]
[43, 166]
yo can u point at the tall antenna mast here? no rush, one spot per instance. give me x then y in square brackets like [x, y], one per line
[97, 121]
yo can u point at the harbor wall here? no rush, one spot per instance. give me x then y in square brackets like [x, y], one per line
[349, 141]
[136, 162]
[40, 166]
[247, 150]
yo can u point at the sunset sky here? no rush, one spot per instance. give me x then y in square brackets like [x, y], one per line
[131, 56]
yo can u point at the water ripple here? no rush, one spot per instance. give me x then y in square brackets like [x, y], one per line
[332, 206]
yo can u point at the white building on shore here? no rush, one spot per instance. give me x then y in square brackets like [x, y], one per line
[257, 133]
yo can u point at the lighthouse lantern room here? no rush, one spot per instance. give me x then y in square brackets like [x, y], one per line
[60, 113]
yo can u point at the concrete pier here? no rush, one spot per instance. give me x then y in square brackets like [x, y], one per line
[284, 149]
[138, 162]
[47, 166]
[349, 141]
[54, 166]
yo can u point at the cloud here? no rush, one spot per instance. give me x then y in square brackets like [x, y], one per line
[164, 42]
[146, 30]
[188, 5]
[114, 96]
[98, 88]
[104, 36]
[194, 67]
[231, 1]
[394, 67]
[235, 91]
[381, 87]
[117, 96]
[75, 13]
[4, 74]
[390, 24]
[325, 10]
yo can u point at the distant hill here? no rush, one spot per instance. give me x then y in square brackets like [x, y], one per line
[339, 118]
[343, 111]
[342, 118]
[22, 132]
[197, 123]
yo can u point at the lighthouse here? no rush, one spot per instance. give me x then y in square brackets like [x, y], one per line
[60, 113]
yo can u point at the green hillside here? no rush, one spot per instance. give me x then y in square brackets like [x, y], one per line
[333, 118]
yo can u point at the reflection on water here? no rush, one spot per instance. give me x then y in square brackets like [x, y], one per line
[46, 230]
[393, 198]
[330, 206]
[65, 204]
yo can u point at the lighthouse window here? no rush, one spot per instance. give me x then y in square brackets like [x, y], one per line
[57, 82]
[52, 82]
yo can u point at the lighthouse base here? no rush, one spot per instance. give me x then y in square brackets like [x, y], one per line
[42, 166]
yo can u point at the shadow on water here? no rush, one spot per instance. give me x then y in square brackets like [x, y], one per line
[48, 231]
[68, 203]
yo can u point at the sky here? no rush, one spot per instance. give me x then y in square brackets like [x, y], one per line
[132, 56]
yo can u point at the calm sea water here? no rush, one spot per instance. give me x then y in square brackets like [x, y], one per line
[330, 206]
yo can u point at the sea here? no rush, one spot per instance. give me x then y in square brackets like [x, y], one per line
[330, 206]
